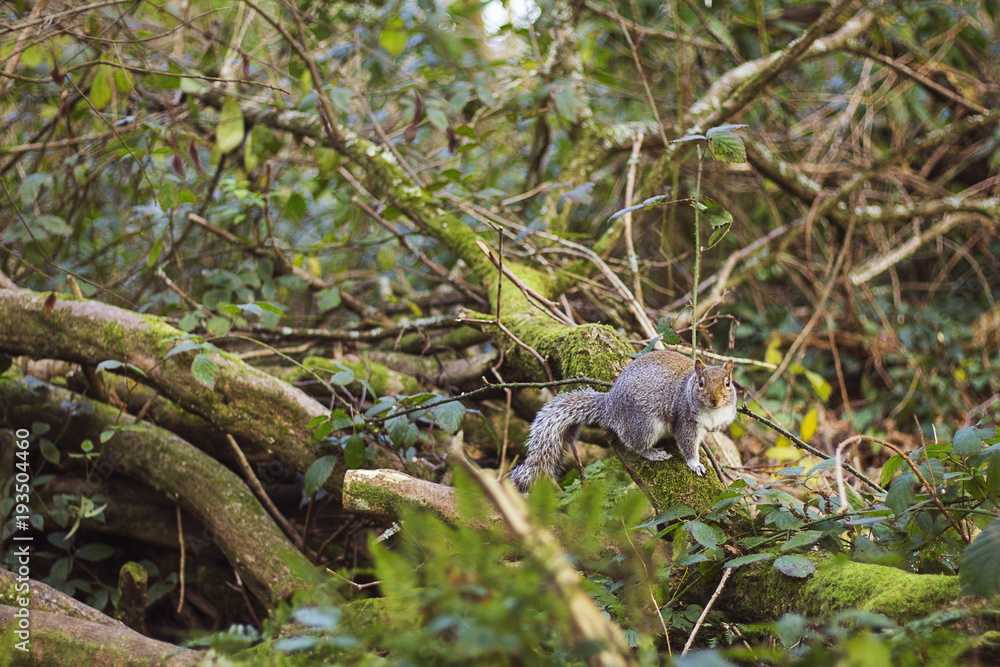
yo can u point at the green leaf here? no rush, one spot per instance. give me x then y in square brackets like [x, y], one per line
[94, 552]
[328, 299]
[819, 384]
[324, 619]
[204, 370]
[993, 477]
[969, 440]
[229, 134]
[354, 452]
[100, 88]
[53, 224]
[295, 207]
[109, 364]
[719, 129]
[218, 326]
[318, 473]
[702, 534]
[900, 495]
[437, 118]
[398, 428]
[715, 214]
[184, 346]
[340, 419]
[386, 257]
[341, 98]
[889, 469]
[803, 539]
[32, 185]
[342, 377]
[689, 137]
[649, 203]
[154, 253]
[568, 103]
[727, 147]
[270, 308]
[49, 451]
[746, 560]
[323, 429]
[980, 570]
[795, 566]
[809, 424]
[449, 416]
[393, 37]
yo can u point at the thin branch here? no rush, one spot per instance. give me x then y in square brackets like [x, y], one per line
[708, 607]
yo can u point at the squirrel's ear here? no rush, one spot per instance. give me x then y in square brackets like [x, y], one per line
[699, 366]
[729, 366]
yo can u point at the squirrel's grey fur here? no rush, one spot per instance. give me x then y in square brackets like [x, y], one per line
[657, 394]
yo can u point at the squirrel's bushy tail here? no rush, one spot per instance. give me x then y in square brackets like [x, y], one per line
[553, 432]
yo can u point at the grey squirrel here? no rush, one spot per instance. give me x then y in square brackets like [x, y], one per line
[657, 394]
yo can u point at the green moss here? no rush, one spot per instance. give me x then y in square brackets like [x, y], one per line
[902, 596]
[384, 380]
[368, 496]
[837, 585]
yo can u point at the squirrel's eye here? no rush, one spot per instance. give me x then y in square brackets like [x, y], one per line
[728, 382]
[701, 382]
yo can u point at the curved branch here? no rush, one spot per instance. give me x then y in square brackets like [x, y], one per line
[230, 514]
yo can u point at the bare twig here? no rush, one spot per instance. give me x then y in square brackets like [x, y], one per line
[708, 607]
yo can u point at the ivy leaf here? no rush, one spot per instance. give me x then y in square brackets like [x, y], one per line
[318, 473]
[204, 370]
[230, 132]
[981, 563]
[354, 452]
[795, 566]
[746, 560]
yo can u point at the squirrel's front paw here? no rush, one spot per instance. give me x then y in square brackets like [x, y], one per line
[655, 455]
[696, 467]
